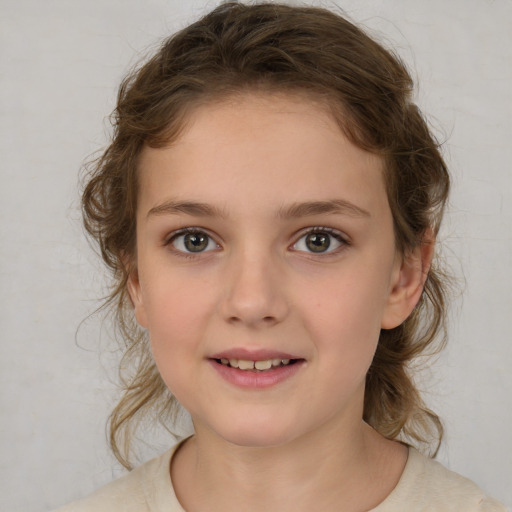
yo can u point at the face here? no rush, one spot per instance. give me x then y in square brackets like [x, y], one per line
[266, 267]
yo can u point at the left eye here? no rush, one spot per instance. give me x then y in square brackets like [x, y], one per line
[318, 242]
[193, 242]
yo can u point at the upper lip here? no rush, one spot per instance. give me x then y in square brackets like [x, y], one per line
[253, 354]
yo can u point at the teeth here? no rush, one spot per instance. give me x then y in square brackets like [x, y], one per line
[244, 364]
[263, 365]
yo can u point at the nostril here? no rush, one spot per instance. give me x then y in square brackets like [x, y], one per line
[265, 320]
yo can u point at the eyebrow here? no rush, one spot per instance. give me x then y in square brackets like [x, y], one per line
[304, 209]
[194, 208]
[332, 207]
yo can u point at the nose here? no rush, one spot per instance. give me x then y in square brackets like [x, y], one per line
[255, 294]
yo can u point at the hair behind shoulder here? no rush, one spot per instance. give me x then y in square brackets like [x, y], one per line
[271, 47]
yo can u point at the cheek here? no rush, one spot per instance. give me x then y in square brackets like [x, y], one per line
[178, 311]
[343, 316]
[174, 301]
[175, 325]
[350, 300]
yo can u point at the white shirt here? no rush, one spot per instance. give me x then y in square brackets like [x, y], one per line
[425, 486]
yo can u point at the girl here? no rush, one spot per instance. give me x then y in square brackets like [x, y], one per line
[269, 206]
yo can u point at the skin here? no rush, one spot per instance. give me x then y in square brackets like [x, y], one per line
[258, 285]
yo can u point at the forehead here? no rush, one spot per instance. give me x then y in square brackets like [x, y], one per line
[261, 149]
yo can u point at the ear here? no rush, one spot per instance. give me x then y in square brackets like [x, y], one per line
[135, 293]
[408, 282]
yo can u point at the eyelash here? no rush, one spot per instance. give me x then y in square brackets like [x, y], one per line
[333, 233]
[183, 232]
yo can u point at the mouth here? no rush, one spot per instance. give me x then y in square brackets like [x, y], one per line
[258, 366]
[256, 369]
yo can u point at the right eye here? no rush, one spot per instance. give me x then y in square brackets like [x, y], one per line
[193, 241]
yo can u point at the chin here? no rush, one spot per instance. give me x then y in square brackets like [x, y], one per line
[259, 434]
[256, 439]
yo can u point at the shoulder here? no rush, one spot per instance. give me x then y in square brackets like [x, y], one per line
[427, 485]
[147, 488]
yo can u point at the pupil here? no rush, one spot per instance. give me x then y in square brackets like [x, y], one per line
[318, 242]
[196, 242]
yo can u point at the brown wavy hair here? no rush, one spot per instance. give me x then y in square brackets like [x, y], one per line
[276, 48]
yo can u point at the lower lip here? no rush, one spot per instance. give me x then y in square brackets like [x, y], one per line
[256, 379]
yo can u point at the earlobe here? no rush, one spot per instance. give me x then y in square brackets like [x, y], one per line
[135, 294]
[408, 283]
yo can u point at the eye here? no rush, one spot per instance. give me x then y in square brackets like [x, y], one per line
[320, 240]
[193, 241]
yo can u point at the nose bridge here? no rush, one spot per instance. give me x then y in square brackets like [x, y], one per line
[255, 294]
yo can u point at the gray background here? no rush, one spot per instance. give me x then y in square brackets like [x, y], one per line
[60, 64]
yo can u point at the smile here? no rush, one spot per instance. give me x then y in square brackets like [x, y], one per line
[256, 374]
[264, 365]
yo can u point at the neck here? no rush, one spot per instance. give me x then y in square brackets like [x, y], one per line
[320, 470]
